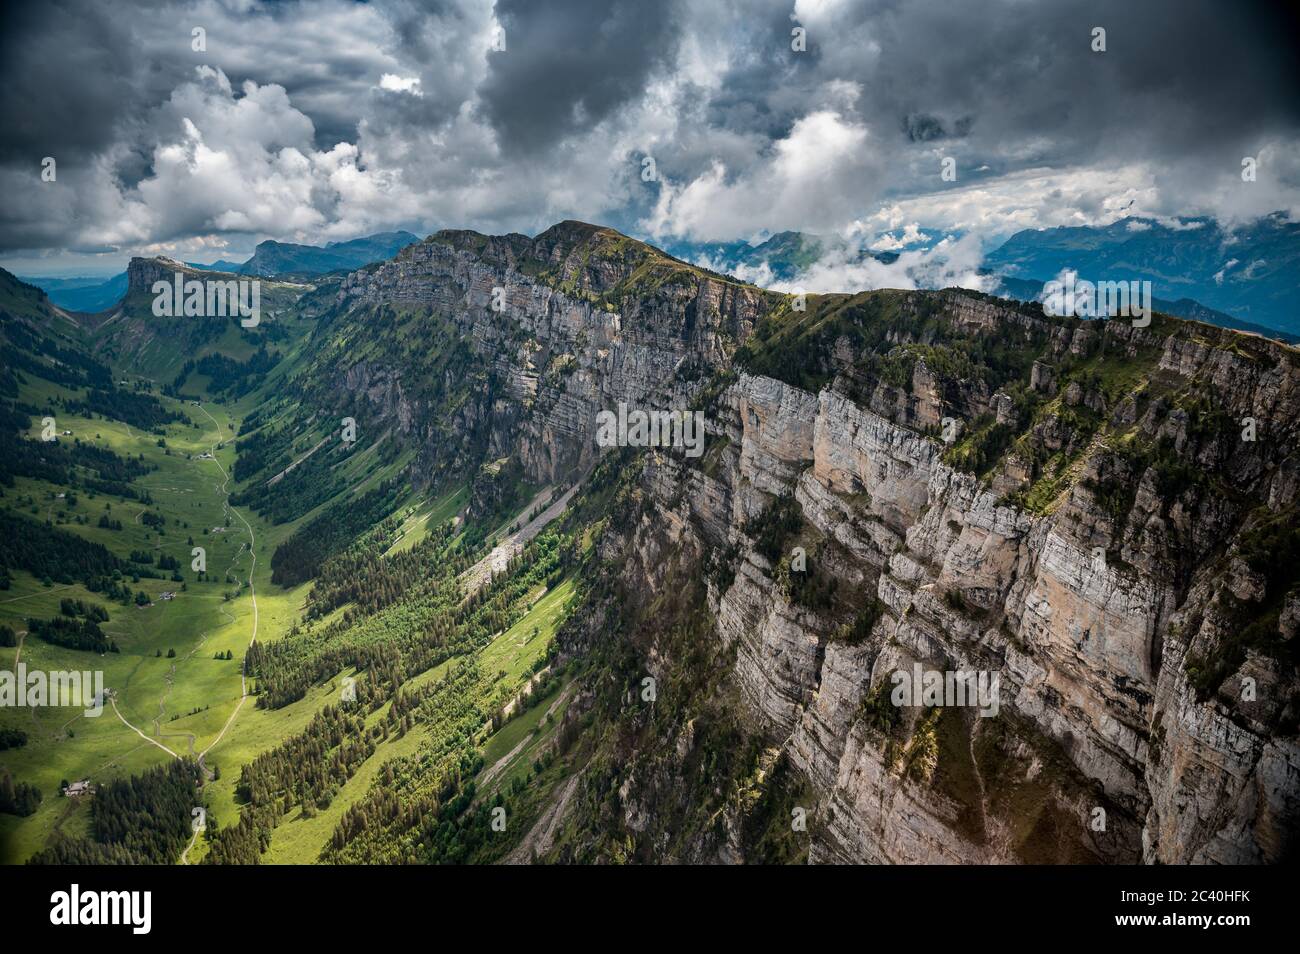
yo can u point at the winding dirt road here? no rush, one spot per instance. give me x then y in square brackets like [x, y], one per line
[222, 489]
[252, 587]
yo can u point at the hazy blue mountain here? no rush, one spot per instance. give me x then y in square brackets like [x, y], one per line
[284, 258]
[1249, 274]
[1024, 289]
[269, 259]
[1243, 279]
[82, 294]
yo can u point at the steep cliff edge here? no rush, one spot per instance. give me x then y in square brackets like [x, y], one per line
[1103, 516]
[570, 323]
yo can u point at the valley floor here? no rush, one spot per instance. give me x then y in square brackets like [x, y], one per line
[172, 695]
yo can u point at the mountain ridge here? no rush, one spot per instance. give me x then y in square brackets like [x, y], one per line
[1199, 270]
[949, 464]
[269, 259]
[1032, 422]
[1247, 272]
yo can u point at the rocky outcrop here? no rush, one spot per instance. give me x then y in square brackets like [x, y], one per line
[571, 327]
[1099, 601]
[1100, 751]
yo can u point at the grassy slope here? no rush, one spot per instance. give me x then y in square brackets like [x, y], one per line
[197, 624]
[514, 653]
[193, 693]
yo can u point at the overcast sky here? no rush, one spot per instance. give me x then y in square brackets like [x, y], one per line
[325, 120]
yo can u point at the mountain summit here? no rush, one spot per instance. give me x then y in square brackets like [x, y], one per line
[271, 259]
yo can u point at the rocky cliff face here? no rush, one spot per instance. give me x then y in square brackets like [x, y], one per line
[1074, 507]
[157, 346]
[571, 323]
[898, 523]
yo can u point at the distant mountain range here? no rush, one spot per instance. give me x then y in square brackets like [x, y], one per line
[277, 259]
[1250, 274]
[82, 294]
[269, 260]
[1023, 289]
[1244, 279]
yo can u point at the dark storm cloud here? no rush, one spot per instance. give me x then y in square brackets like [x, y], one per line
[440, 41]
[439, 129]
[567, 65]
[1174, 77]
[766, 82]
[922, 127]
[1182, 92]
[68, 79]
[79, 76]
